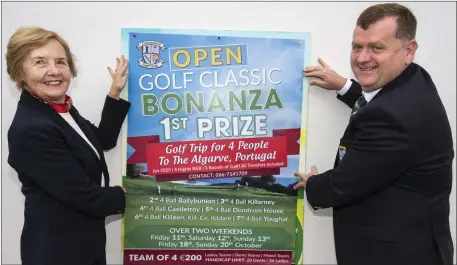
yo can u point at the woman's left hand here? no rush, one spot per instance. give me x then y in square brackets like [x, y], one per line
[119, 77]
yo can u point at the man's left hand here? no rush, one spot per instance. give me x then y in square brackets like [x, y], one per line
[304, 177]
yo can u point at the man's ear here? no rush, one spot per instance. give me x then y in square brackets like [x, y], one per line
[411, 48]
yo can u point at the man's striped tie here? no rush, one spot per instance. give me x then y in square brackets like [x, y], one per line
[361, 101]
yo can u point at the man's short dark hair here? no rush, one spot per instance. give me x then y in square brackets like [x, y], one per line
[406, 21]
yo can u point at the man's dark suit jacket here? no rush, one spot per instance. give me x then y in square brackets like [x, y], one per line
[65, 205]
[390, 191]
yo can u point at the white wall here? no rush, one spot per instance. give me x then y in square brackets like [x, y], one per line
[93, 32]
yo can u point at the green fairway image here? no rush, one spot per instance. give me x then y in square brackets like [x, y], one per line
[218, 216]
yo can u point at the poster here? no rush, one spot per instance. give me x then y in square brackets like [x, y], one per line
[216, 129]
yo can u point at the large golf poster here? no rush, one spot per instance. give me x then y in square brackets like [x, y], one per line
[216, 129]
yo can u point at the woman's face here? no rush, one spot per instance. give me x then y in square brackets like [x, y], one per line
[46, 72]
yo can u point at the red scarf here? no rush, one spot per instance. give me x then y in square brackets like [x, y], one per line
[59, 107]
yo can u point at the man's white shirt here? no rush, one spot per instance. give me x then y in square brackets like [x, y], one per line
[367, 95]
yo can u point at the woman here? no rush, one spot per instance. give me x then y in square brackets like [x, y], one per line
[58, 155]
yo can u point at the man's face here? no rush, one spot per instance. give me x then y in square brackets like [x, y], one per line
[377, 56]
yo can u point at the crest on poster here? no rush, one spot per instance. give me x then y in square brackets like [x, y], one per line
[150, 57]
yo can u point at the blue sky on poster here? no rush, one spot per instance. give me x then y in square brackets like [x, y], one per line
[263, 53]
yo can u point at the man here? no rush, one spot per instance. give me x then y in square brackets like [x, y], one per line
[392, 178]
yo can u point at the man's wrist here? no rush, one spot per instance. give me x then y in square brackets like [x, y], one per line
[345, 88]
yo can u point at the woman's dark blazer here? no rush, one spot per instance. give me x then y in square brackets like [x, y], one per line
[65, 204]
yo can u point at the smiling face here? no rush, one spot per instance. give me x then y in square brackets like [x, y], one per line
[378, 56]
[46, 72]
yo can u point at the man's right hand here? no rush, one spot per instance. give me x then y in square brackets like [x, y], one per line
[323, 76]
